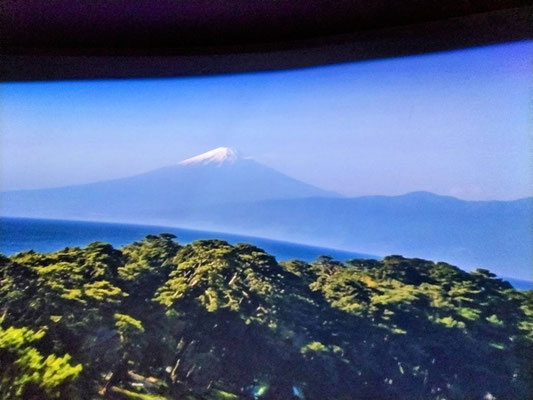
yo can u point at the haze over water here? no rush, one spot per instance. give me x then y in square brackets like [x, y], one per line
[20, 234]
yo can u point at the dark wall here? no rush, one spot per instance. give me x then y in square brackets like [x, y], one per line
[75, 39]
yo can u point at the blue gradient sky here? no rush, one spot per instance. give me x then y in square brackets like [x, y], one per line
[456, 123]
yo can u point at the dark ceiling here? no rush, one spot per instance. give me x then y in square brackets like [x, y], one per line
[65, 39]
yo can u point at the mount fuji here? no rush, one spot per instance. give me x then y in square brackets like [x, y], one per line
[217, 177]
[222, 191]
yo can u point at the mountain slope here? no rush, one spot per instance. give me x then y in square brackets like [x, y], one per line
[216, 177]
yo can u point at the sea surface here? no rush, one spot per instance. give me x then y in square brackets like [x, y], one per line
[46, 235]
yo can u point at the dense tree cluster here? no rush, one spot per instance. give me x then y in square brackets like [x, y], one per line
[208, 320]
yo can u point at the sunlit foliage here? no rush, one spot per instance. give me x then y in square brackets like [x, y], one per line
[209, 320]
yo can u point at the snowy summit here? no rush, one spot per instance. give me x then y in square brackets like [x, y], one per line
[218, 156]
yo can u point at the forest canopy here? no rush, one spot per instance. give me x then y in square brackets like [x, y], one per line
[210, 320]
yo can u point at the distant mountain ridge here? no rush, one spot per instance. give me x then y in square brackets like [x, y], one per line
[222, 191]
[486, 234]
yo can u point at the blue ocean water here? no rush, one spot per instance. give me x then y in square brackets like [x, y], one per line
[44, 235]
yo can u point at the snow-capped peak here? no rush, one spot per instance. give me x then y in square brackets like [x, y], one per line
[218, 156]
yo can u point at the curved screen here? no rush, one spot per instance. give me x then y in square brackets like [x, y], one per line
[352, 231]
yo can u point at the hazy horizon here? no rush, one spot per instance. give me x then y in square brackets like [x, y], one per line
[453, 123]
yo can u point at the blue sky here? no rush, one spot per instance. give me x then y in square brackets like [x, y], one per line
[455, 123]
